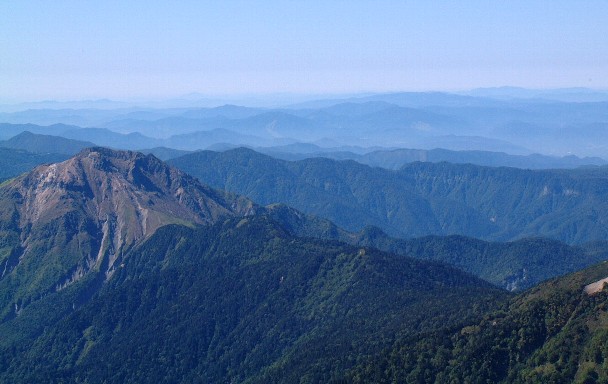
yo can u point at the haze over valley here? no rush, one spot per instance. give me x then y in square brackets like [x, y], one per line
[516, 126]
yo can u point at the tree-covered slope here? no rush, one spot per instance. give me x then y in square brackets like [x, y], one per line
[554, 333]
[14, 162]
[420, 198]
[245, 301]
[515, 266]
[90, 240]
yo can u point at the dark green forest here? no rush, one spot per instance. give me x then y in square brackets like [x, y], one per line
[553, 333]
[244, 301]
[514, 266]
[14, 162]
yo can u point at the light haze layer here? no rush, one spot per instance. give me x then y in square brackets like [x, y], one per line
[73, 49]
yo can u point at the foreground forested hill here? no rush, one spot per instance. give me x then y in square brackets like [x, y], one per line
[242, 301]
[554, 333]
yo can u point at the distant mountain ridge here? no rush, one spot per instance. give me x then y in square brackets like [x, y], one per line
[397, 158]
[199, 138]
[420, 198]
[518, 125]
[68, 140]
[37, 143]
[14, 162]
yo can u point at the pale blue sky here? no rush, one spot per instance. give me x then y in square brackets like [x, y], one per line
[123, 49]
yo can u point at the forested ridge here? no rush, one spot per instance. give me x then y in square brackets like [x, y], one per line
[553, 333]
[420, 198]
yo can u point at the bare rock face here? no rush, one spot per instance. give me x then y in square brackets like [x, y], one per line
[62, 221]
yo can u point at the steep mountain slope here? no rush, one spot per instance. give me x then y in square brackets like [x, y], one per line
[63, 221]
[554, 333]
[37, 143]
[244, 301]
[421, 198]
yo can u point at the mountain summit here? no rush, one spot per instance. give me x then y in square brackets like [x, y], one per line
[64, 220]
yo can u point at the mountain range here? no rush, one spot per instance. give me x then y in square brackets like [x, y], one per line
[420, 198]
[327, 250]
[37, 143]
[78, 233]
[14, 162]
[397, 158]
[516, 125]
[120, 268]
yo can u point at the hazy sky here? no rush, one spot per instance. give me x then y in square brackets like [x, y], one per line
[121, 49]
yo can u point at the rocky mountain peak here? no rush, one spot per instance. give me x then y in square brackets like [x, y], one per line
[104, 182]
[82, 214]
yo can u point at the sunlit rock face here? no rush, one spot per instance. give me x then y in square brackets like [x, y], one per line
[63, 220]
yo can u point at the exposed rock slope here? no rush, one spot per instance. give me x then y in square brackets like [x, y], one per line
[64, 220]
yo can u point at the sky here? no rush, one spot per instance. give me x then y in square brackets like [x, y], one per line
[71, 50]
